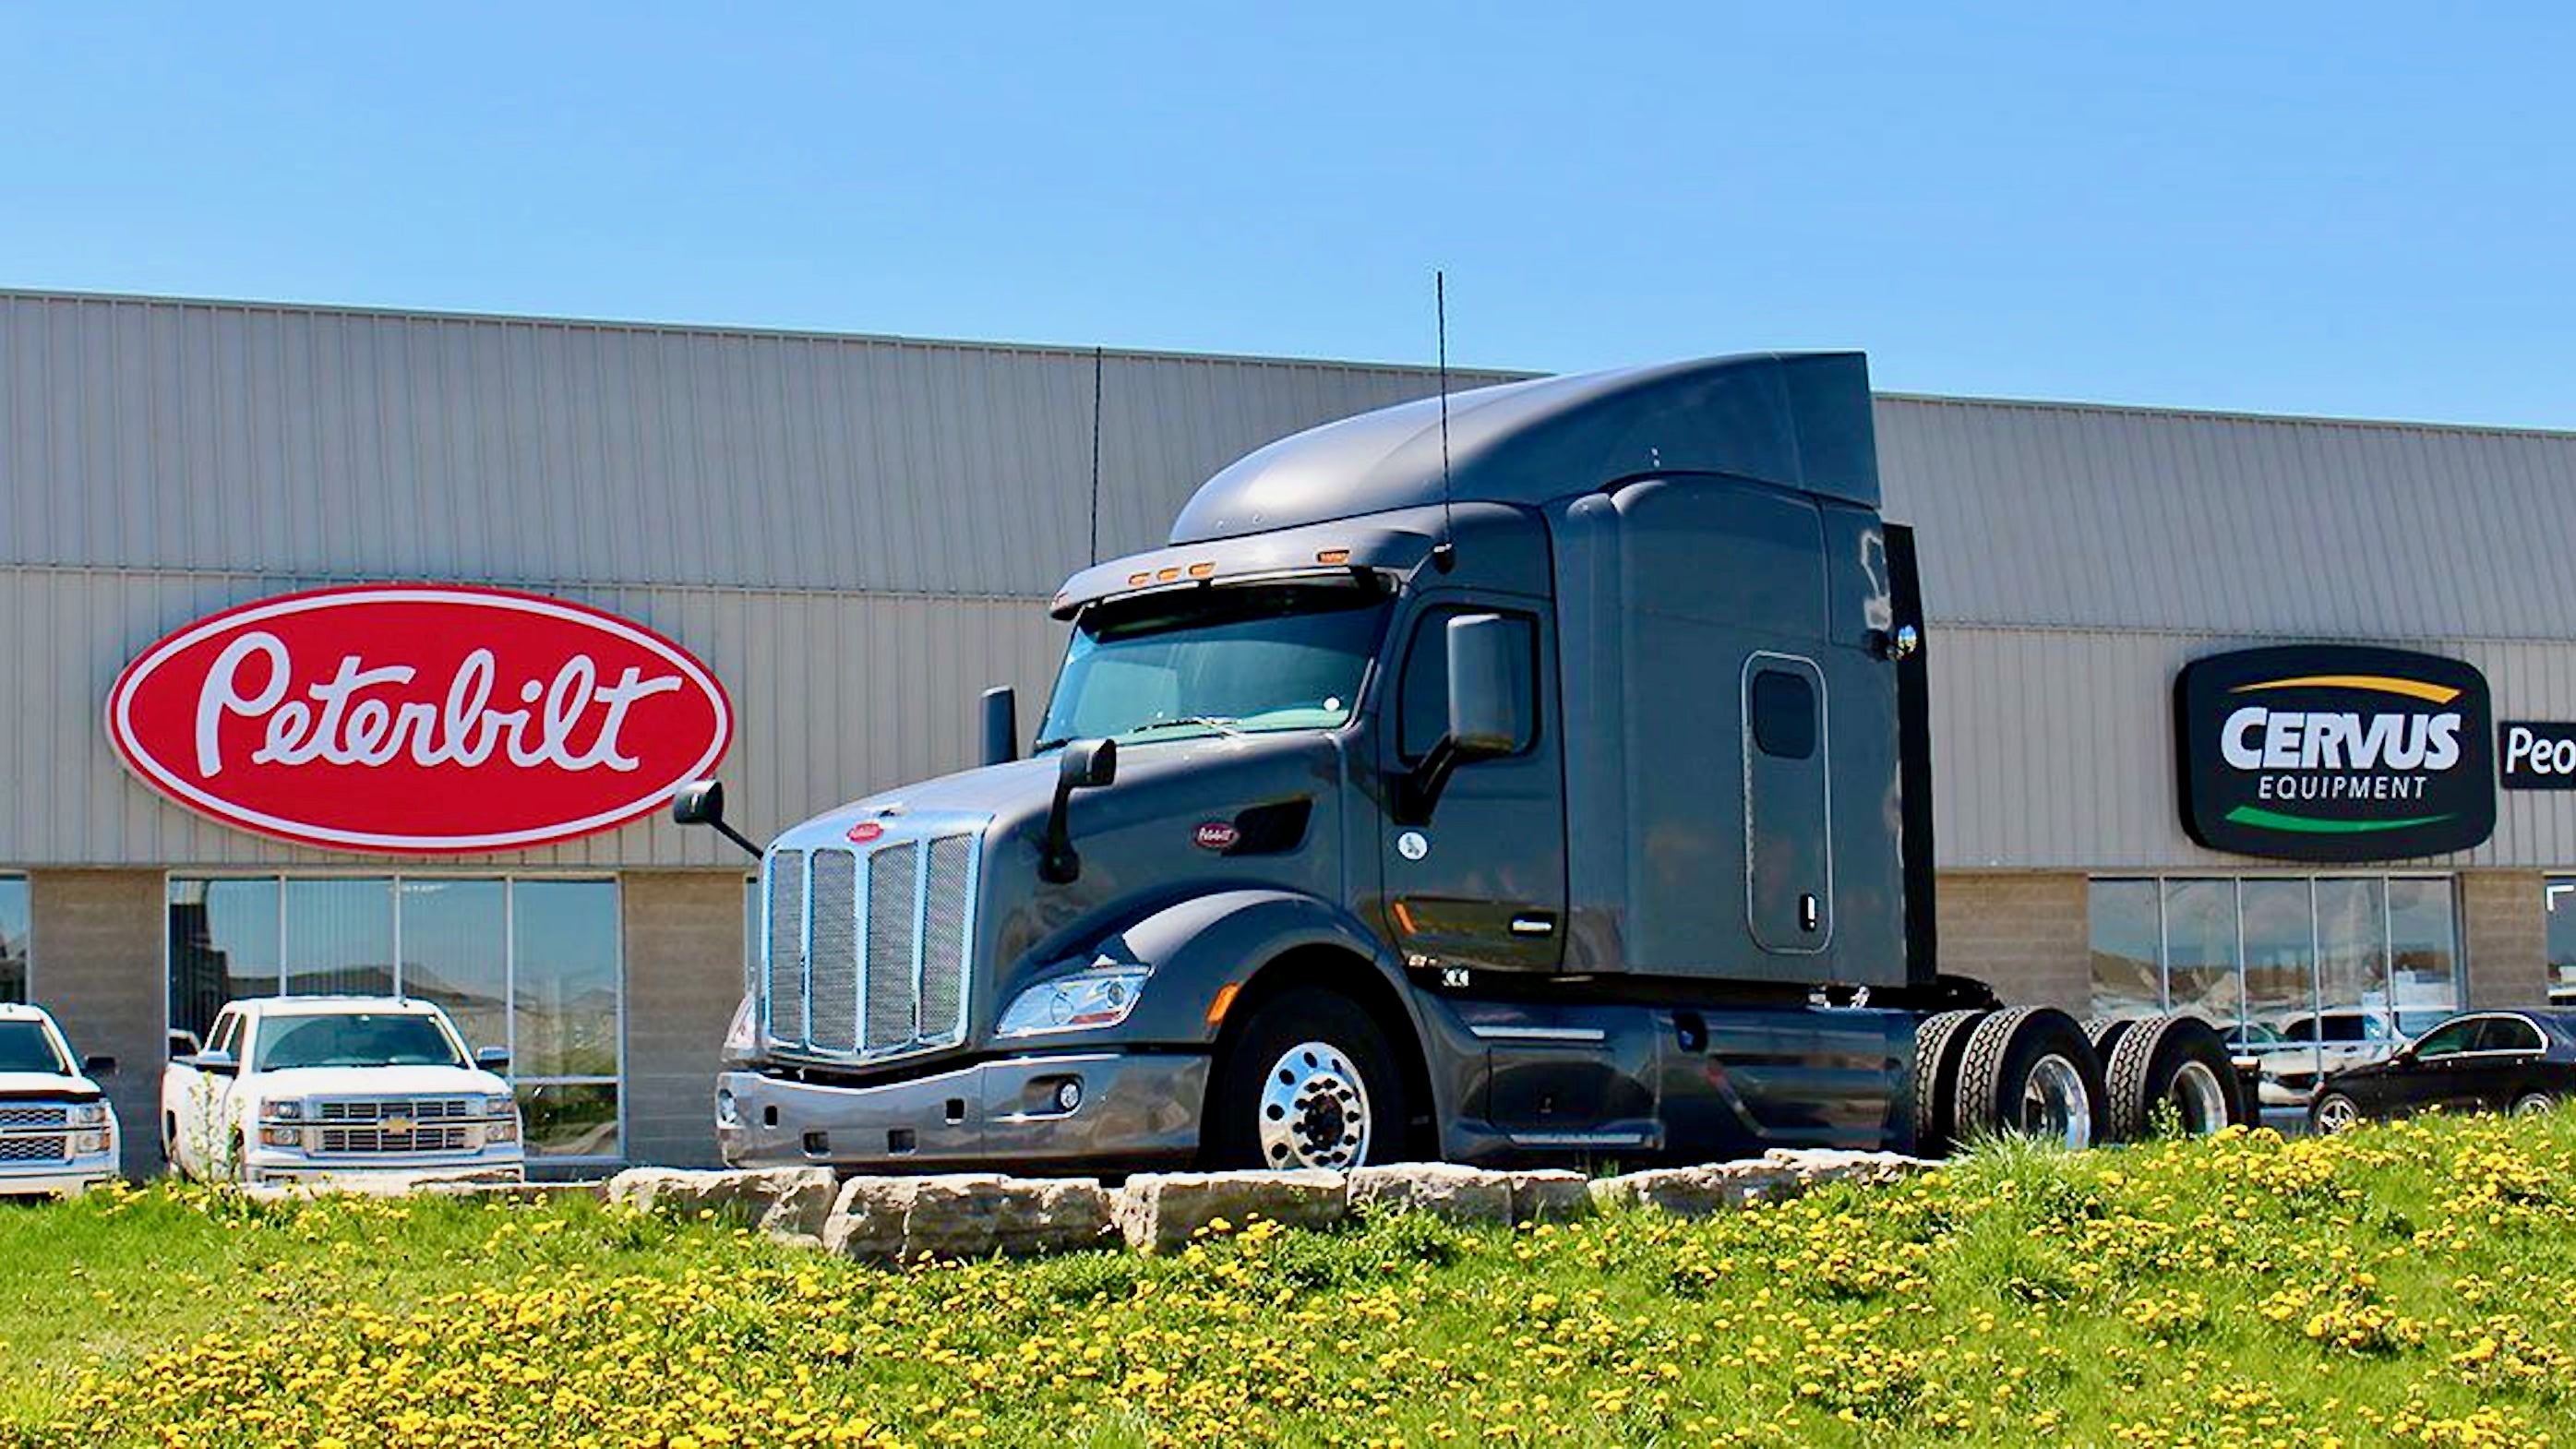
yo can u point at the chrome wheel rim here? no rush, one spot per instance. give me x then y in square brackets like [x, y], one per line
[2199, 1098]
[2055, 1107]
[2336, 1113]
[1314, 1109]
[2533, 1105]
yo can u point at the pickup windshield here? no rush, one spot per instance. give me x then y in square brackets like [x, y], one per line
[354, 1039]
[25, 1046]
[1233, 660]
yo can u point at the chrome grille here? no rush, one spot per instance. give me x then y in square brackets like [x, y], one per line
[894, 984]
[49, 1147]
[784, 988]
[376, 1139]
[423, 1109]
[835, 976]
[47, 1116]
[880, 946]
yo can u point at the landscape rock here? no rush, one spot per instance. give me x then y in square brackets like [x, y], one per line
[866, 1221]
[1553, 1195]
[1694, 1192]
[1161, 1210]
[801, 1204]
[1442, 1189]
[964, 1215]
[786, 1200]
[1814, 1166]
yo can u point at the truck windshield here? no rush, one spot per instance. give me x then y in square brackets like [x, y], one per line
[354, 1039]
[26, 1047]
[1230, 660]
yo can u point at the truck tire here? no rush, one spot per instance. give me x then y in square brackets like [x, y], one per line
[2105, 1033]
[2030, 1071]
[2181, 1060]
[1938, 1043]
[1311, 1082]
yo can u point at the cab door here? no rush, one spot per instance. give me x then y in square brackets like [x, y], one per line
[1481, 883]
[1788, 849]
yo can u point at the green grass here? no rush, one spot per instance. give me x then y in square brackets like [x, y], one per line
[2409, 1284]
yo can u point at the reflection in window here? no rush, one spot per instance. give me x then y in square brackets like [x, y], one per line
[2128, 971]
[2201, 978]
[2424, 981]
[2352, 960]
[527, 965]
[2559, 899]
[14, 917]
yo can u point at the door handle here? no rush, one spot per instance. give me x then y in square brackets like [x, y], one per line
[1533, 926]
[1807, 912]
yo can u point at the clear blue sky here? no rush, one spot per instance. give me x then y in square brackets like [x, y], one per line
[2355, 209]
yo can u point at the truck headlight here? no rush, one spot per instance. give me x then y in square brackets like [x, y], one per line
[501, 1106]
[281, 1111]
[88, 1144]
[1084, 1001]
[88, 1114]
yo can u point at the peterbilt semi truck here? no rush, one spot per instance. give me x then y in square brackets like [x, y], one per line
[1540, 773]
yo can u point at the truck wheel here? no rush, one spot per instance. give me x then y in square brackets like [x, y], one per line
[2180, 1060]
[2030, 1071]
[1311, 1082]
[1938, 1044]
[2105, 1033]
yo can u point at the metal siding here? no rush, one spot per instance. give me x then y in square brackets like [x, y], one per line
[2054, 748]
[2047, 515]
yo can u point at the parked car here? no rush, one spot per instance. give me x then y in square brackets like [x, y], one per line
[301, 1088]
[2302, 1049]
[57, 1131]
[2503, 1061]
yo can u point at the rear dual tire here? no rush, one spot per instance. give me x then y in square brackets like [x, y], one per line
[2030, 1071]
[2179, 1063]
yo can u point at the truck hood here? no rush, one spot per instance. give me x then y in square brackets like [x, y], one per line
[379, 1082]
[48, 1086]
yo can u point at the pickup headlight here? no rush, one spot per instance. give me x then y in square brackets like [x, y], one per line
[1085, 1001]
[502, 1106]
[281, 1111]
[88, 1114]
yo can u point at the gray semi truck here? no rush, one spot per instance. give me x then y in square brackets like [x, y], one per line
[1538, 774]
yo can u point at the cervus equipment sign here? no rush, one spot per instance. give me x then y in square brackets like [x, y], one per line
[418, 718]
[2335, 753]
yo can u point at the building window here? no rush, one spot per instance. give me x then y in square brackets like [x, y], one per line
[2311, 973]
[2560, 901]
[14, 922]
[527, 964]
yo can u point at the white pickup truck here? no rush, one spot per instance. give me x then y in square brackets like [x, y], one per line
[313, 1088]
[57, 1132]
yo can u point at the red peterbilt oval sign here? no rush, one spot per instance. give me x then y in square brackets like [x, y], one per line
[418, 718]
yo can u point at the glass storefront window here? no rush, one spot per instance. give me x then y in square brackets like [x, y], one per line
[530, 965]
[2423, 969]
[2200, 952]
[2352, 961]
[2128, 951]
[2559, 899]
[14, 921]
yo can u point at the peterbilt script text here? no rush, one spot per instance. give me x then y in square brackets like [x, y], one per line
[343, 725]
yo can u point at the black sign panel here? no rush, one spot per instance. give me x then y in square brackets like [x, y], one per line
[2334, 753]
[2536, 754]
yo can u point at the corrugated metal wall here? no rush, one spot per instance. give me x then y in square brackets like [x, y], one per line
[849, 531]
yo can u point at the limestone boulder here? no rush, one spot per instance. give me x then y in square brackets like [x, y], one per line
[1442, 1189]
[1159, 1211]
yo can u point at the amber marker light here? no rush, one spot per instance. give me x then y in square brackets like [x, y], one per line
[1167, 575]
[1403, 919]
[1333, 556]
[1135, 579]
[1224, 999]
[1201, 570]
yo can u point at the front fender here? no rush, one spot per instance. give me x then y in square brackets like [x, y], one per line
[1207, 943]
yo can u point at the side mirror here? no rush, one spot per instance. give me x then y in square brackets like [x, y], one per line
[493, 1059]
[98, 1066]
[218, 1063]
[1084, 765]
[1001, 725]
[1487, 657]
[701, 802]
[184, 1044]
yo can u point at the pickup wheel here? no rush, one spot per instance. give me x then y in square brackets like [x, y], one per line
[2179, 1061]
[2031, 1072]
[1939, 1041]
[1311, 1082]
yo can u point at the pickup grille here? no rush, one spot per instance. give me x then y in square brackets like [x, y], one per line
[363, 1140]
[425, 1109]
[44, 1117]
[866, 949]
[35, 1147]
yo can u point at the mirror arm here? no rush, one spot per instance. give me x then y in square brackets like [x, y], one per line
[1058, 862]
[1418, 793]
[726, 830]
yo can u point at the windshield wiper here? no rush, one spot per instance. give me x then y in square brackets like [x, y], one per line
[1222, 725]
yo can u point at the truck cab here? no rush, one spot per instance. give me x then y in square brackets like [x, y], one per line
[1535, 773]
[313, 1089]
[58, 1135]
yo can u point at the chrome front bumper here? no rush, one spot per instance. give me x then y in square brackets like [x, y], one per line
[69, 1179]
[1129, 1110]
[272, 1166]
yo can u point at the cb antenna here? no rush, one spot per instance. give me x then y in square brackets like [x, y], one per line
[1444, 554]
[1096, 354]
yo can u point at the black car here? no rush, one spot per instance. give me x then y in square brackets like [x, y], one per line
[2498, 1061]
